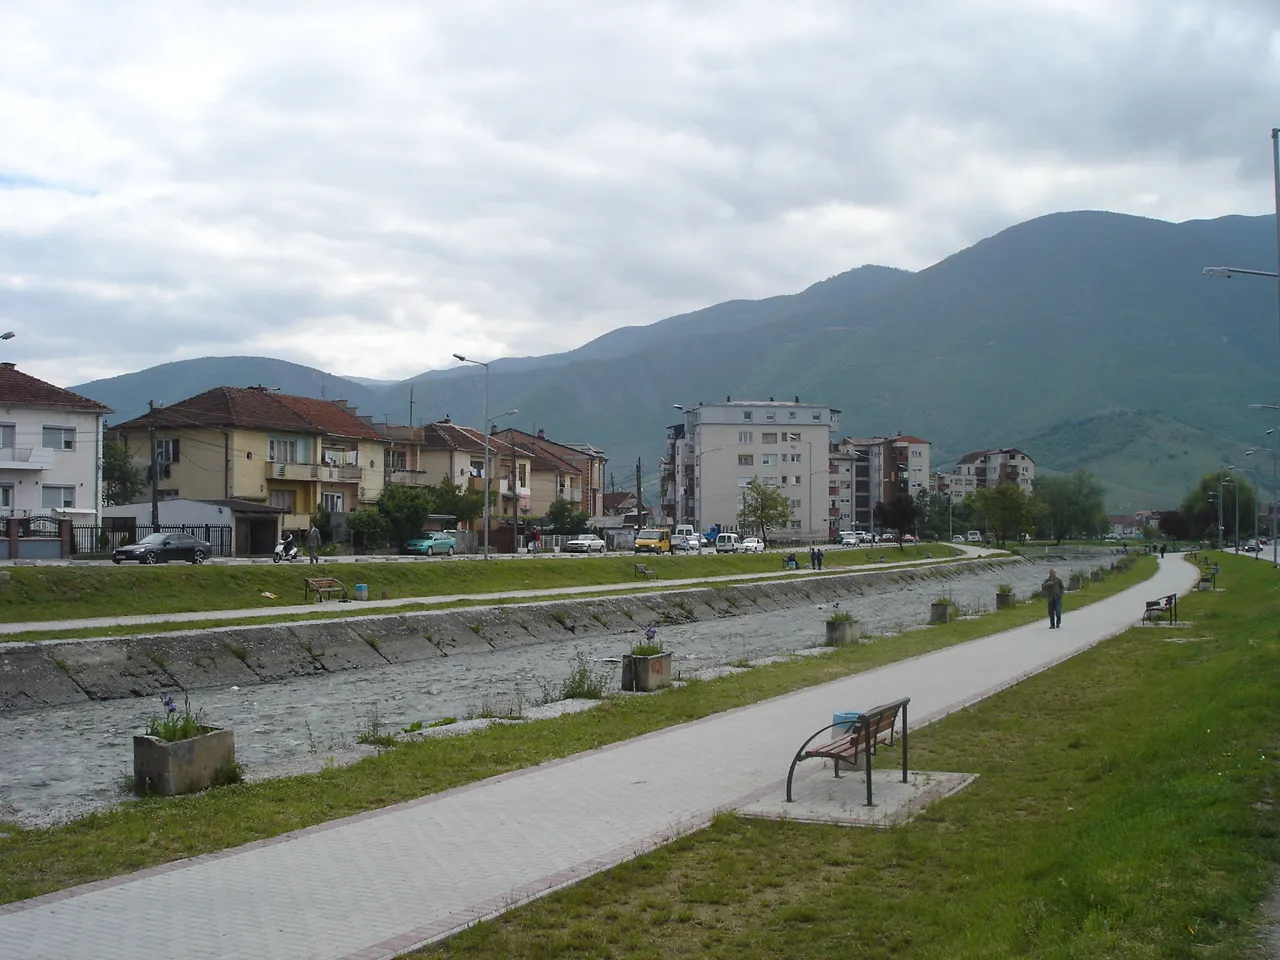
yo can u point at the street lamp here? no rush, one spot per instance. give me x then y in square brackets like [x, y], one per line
[487, 421]
[7, 335]
[1235, 496]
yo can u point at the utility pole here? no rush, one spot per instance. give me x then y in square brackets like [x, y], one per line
[410, 406]
[639, 500]
[155, 467]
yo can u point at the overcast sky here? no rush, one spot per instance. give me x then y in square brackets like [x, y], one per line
[370, 187]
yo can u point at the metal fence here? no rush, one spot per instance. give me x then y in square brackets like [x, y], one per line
[91, 540]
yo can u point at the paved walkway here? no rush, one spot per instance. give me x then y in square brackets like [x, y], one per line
[143, 619]
[377, 884]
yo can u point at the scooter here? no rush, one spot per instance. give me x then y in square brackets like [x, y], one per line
[292, 554]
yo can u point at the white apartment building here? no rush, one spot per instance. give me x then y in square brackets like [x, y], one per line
[721, 447]
[986, 468]
[50, 449]
[865, 470]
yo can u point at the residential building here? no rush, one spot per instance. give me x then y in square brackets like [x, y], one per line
[866, 470]
[985, 468]
[249, 443]
[590, 461]
[50, 449]
[560, 471]
[725, 445]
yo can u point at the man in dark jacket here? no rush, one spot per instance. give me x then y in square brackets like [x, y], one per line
[1053, 590]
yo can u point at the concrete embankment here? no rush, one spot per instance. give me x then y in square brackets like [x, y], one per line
[62, 672]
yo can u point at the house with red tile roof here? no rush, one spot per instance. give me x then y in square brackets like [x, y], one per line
[250, 443]
[50, 449]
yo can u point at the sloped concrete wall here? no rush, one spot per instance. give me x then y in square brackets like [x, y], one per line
[61, 672]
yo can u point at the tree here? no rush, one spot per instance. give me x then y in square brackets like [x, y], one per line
[1173, 524]
[405, 509]
[461, 503]
[121, 480]
[1200, 506]
[935, 521]
[1070, 506]
[1006, 509]
[764, 508]
[898, 513]
[564, 518]
[368, 527]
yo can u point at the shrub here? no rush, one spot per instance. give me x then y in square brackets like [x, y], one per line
[1004, 588]
[175, 726]
[840, 616]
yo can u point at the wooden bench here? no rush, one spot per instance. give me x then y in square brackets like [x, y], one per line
[645, 571]
[859, 736]
[323, 587]
[1164, 608]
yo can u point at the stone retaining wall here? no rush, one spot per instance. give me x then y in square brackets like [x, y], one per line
[57, 672]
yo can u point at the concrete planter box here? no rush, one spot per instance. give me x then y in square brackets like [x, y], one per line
[942, 612]
[1073, 583]
[1096, 576]
[840, 632]
[186, 766]
[646, 674]
[1005, 600]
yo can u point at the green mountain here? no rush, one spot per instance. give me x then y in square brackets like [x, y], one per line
[1062, 320]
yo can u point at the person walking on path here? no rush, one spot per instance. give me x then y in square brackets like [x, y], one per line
[1053, 589]
[1162, 551]
[313, 543]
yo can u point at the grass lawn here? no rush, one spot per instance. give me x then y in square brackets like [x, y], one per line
[1126, 807]
[73, 592]
[146, 832]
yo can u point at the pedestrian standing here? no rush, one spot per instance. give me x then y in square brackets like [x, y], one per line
[1162, 551]
[1053, 590]
[821, 557]
[313, 542]
[813, 558]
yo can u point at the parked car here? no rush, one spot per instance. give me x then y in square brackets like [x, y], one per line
[431, 543]
[585, 543]
[653, 540]
[689, 544]
[1253, 546]
[848, 538]
[751, 545]
[908, 538]
[957, 539]
[974, 536]
[163, 547]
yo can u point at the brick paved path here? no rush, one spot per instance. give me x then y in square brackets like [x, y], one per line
[380, 883]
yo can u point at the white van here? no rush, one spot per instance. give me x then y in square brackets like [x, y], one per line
[683, 531]
[727, 543]
[973, 536]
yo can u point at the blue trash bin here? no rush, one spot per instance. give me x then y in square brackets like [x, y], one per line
[362, 591]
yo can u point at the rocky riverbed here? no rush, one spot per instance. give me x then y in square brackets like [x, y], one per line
[62, 762]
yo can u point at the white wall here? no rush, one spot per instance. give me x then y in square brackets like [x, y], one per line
[175, 512]
[28, 466]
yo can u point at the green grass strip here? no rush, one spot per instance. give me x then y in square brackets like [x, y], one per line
[76, 592]
[1126, 807]
[150, 831]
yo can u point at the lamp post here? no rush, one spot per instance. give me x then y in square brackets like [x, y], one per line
[1236, 497]
[1275, 483]
[7, 335]
[487, 422]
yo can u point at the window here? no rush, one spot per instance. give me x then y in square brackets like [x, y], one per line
[770, 481]
[791, 414]
[768, 438]
[335, 456]
[332, 502]
[746, 415]
[166, 451]
[793, 437]
[796, 524]
[59, 438]
[769, 460]
[817, 417]
[396, 459]
[783, 480]
[477, 467]
[795, 504]
[56, 498]
[6, 495]
[745, 460]
[6, 435]
[282, 499]
[796, 479]
[746, 436]
[744, 481]
[522, 471]
[771, 417]
[282, 451]
[795, 458]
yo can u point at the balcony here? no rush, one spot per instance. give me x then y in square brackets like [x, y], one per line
[292, 471]
[25, 458]
[340, 473]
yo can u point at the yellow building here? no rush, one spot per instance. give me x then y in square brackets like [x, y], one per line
[247, 443]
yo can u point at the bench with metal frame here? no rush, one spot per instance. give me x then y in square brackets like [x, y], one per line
[861, 735]
[645, 571]
[1166, 608]
[323, 587]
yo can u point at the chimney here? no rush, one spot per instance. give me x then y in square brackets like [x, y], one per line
[728, 399]
[797, 399]
[542, 434]
[771, 399]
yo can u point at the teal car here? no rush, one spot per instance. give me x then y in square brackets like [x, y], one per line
[432, 543]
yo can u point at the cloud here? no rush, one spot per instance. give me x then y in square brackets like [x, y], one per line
[371, 192]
